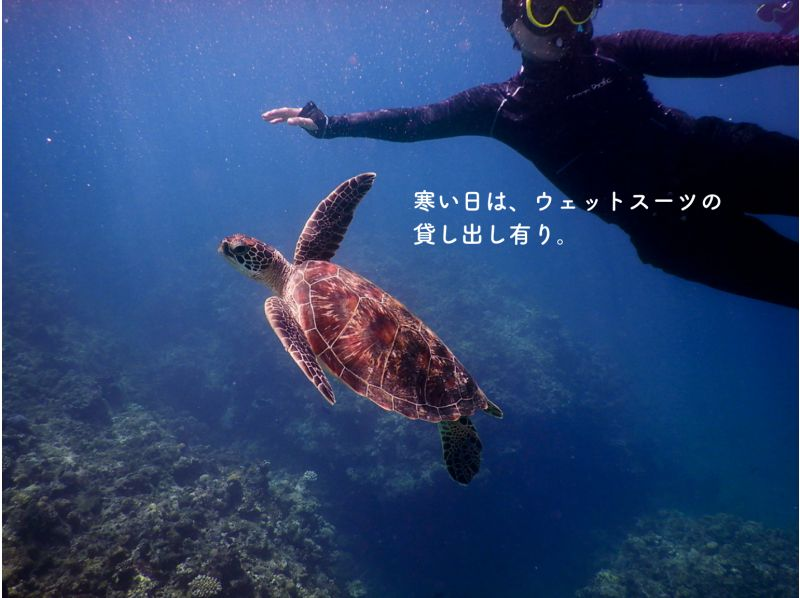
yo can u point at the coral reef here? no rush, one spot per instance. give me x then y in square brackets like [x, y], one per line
[136, 527]
[715, 556]
[204, 586]
[109, 491]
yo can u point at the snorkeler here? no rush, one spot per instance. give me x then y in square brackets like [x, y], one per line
[580, 110]
[783, 14]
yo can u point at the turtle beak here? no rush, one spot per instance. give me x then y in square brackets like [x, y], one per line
[225, 249]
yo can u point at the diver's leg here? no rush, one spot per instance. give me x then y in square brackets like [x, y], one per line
[765, 264]
[755, 170]
[740, 255]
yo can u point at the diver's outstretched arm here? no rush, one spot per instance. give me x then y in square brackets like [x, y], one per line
[471, 112]
[669, 55]
[290, 116]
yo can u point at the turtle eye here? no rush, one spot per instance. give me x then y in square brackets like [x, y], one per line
[240, 250]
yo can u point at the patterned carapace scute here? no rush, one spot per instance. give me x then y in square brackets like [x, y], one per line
[377, 347]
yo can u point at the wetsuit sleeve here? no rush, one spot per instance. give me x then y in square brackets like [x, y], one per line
[668, 55]
[471, 112]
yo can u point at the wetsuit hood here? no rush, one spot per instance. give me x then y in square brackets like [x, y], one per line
[562, 37]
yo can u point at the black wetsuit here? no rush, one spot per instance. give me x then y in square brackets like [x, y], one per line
[591, 126]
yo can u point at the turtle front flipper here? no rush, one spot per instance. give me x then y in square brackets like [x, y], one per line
[326, 227]
[295, 343]
[462, 449]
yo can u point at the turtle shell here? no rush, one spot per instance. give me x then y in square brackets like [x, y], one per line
[378, 348]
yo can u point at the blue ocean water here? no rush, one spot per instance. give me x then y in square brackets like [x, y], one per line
[132, 143]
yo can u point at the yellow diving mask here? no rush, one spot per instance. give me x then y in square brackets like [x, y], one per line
[544, 13]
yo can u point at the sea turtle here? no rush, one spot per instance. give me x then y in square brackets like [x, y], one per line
[323, 312]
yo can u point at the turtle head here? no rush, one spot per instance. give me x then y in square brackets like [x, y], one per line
[256, 260]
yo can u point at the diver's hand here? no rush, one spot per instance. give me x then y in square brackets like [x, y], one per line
[290, 117]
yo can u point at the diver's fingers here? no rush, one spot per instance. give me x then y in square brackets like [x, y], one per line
[278, 115]
[301, 121]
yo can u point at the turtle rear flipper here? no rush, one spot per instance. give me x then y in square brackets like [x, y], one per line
[295, 343]
[461, 448]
